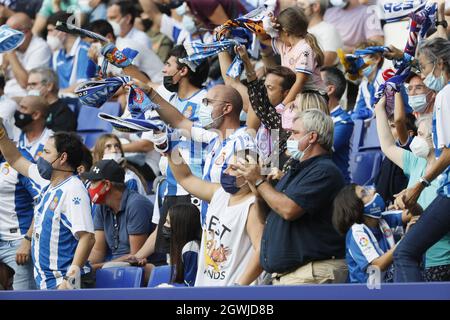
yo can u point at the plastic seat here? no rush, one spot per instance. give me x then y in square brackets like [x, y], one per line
[90, 138]
[159, 275]
[88, 121]
[364, 166]
[119, 277]
[112, 108]
[370, 139]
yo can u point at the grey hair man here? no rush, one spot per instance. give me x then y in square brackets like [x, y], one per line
[298, 235]
[43, 82]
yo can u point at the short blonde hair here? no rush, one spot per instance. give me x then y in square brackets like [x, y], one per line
[310, 100]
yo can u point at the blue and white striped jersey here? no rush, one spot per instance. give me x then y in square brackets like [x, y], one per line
[364, 245]
[441, 135]
[61, 212]
[19, 192]
[192, 152]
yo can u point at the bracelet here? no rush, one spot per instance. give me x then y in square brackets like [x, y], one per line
[259, 182]
[27, 237]
[2, 133]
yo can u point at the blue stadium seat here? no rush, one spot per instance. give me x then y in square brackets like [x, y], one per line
[120, 277]
[88, 121]
[370, 139]
[364, 166]
[112, 108]
[159, 275]
[90, 138]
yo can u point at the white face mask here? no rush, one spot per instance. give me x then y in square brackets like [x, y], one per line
[339, 3]
[116, 27]
[419, 147]
[54, 43]
[34, 93]
[418, 102]
[117, 157]
[189, 24]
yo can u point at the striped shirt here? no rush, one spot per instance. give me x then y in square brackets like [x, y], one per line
[61, 212]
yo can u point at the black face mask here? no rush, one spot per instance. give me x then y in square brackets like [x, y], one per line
[169, 85]
[175, 4]
[22, 119]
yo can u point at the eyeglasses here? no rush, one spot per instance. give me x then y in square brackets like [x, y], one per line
[207, 101]
[419, 87]
[422, 66]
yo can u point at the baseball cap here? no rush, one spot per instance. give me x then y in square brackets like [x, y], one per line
[105, 170]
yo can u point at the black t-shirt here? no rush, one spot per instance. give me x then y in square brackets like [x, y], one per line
[60, 117]
[390, 180]
[287, 245]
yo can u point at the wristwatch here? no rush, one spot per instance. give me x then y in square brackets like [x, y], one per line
[442, 23]
[259, 182]
[27, 237]
[424, 182]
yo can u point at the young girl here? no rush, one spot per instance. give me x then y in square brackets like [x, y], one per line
[301, 53]
[108, 146]
[183, 232]
[370, 231]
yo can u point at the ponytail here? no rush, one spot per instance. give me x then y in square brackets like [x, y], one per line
[312, 41]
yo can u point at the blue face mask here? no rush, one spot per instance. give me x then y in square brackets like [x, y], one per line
[292, 148]
[434, 83]
[45, 168]
[228, 183]
[375, 208]
[368, 70]
[418, 102]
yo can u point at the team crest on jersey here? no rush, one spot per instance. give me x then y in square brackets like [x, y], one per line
[5, 169]
[38, 155]
[387, 232]
[220, 159]
[363, 241]
[54, 203]
[188, 112]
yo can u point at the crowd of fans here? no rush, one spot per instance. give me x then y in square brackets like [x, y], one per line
[249, 178]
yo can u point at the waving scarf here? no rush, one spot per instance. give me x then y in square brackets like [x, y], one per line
[10, 38]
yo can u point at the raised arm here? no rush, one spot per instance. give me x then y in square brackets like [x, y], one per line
[194, 185]
[394, 153]
[11, 153]
[168, 113]
[400, 119]
[225, 62]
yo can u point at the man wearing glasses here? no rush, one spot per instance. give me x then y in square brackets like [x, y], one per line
[122, 218]
[32, 53]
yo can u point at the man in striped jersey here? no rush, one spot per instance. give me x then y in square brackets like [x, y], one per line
[219, 116]
[18, 192]
[63, 232]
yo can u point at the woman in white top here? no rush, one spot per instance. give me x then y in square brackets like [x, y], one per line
[231, 235]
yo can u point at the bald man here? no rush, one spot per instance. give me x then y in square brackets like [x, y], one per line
[32, 53]
[217, 136]
[30, 118]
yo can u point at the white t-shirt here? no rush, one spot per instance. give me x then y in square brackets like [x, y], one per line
[226, 248]
[38, 54]
[327, 36]
[138, 37]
